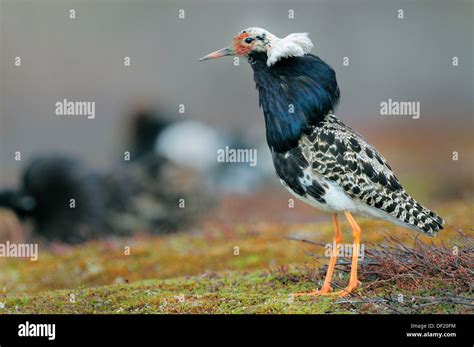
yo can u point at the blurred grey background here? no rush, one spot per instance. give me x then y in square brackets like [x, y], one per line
[406, 59]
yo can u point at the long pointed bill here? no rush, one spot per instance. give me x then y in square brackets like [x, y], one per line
[219, 54]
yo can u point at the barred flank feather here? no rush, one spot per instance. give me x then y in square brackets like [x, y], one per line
[339, 154]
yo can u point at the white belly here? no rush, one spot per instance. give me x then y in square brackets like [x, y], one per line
[338, 201]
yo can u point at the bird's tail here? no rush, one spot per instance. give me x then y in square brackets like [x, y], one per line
[423, 219]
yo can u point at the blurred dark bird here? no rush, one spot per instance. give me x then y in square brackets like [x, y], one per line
[153, 195]
[62, 197]
[317, 157]
[68, 202]
[145, 126]
[153, 133]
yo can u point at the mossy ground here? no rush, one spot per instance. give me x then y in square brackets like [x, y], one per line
[202, 272]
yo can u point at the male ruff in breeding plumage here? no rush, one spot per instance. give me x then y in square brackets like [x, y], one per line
[317, 157]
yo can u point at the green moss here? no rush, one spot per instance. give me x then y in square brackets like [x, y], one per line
[202, 268]
[227, 292]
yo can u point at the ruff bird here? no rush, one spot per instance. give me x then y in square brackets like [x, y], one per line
[154, 136]
[317, 157]
[62, 198]
[65, 200]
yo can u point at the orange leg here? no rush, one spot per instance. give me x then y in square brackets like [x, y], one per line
[353, 281]
[326, 288]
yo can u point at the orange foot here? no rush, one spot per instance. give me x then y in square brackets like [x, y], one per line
[349, 289]
[325, 290]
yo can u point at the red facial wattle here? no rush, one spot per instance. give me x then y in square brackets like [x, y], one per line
[240, 47]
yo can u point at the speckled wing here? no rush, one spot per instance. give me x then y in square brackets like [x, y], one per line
[339, 154]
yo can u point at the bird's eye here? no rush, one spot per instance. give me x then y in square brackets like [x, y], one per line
[248, 40]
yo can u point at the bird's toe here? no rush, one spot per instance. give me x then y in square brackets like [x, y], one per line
[317, 292]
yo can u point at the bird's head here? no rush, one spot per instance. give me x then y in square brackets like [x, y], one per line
[260, 40]
[21, 203]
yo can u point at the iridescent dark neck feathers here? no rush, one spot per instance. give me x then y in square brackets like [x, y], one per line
[295, 94]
